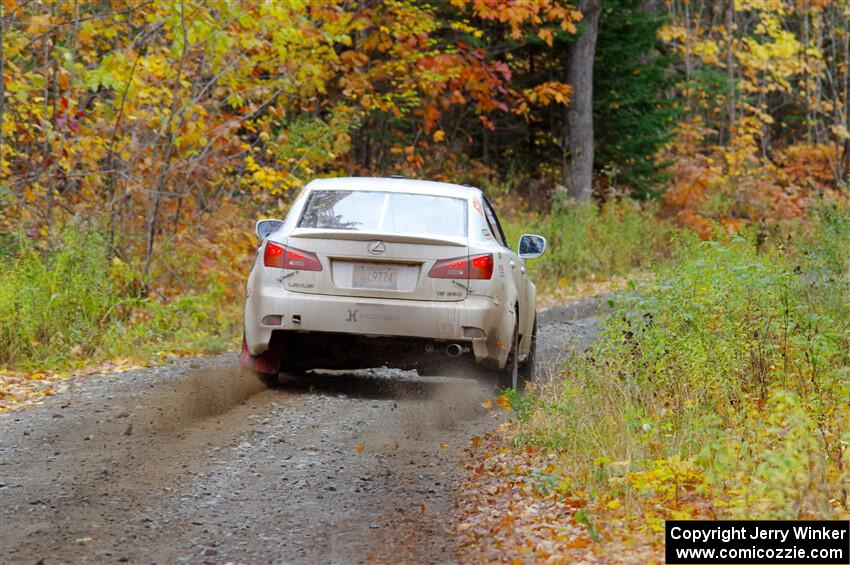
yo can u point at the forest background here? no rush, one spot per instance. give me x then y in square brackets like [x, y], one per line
[139, 140]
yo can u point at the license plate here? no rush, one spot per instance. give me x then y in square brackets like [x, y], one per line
[383, 277]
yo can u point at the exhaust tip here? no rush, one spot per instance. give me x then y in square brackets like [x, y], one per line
[454, 350]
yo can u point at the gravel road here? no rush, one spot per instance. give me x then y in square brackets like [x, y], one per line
[190, 463]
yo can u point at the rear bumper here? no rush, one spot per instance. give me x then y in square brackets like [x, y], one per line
[453, 322]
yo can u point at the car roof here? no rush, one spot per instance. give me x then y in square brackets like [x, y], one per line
[395, 185]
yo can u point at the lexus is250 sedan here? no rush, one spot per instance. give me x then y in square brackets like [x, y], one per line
[368, 272]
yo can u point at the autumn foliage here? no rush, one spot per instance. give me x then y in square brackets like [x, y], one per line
[153, 114]
[765, 133]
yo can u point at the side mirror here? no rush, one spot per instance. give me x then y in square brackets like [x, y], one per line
[267, 227]
[531, 246]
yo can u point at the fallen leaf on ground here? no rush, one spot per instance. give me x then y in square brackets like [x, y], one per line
[506, 514]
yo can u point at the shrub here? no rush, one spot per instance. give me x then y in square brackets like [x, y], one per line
[72, 303]
[53, 303]
[733, 363]
[591, 242]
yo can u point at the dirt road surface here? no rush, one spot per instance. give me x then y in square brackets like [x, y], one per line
[191, 463]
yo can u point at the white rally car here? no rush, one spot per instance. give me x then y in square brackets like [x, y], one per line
[365, 272]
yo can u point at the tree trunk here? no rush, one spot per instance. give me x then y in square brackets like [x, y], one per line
[843, 175]
[169, 134]
[579, 118]
[2, 93]
[731, 103]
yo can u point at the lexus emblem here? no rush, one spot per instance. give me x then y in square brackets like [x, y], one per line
[377, 248]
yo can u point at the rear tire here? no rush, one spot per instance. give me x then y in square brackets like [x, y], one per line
[516, 374]
[509, 376]
[528, 368]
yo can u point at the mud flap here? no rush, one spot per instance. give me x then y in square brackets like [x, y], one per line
[267, 363]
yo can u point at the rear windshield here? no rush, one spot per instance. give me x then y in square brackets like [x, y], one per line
[385, 212]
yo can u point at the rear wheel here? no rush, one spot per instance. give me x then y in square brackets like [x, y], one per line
[509, 376]
[527, 372]
[517, 373]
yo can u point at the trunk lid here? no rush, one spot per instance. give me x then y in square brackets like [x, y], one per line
[371, 264]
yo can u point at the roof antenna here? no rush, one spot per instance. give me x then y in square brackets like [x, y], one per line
[396, 176]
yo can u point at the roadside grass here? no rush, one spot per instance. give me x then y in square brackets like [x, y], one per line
[73, 304]
[719, 389]
[589, 244]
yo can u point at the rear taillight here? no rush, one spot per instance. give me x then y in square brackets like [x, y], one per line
[457, 268]
[273, 255]
[476, 267]
[284, 257]
[482, 266]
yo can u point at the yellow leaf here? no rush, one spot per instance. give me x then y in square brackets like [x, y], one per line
[359, 448]
[487, 404]
[439, 135]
